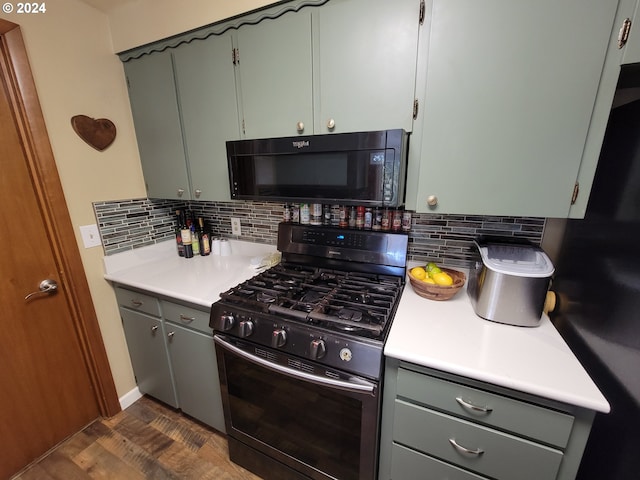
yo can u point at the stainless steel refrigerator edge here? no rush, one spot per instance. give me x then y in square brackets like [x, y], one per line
[598, 285]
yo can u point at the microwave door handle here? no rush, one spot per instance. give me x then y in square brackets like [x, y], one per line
[361, 387]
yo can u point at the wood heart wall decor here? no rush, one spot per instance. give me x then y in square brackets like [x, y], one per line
[99, 133]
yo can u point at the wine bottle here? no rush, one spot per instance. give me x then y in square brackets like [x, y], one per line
[178, 230]
[195, 238]
[185, 232]
[205, 246]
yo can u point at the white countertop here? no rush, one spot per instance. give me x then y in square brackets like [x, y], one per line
[198, 280]
[449, 336]
[446, 336]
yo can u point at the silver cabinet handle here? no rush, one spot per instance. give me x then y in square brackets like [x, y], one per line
[331, 124]
[170, 335]
[432, 200]
[300, 127]
[180, 192]
[186, 319]
[198, 192]
[46, 287]
[154, 329]
[474, 408]
[460, 448]
[136, 303]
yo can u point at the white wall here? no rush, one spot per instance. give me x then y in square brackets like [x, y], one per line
[145, 21]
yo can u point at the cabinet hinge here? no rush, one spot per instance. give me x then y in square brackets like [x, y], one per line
[623, 34]
[235, 55]
[416, 106]
[422, 12]
[244, 131]
[576, 190]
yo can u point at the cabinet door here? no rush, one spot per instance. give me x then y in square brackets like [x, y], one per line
[148, 352]
[275, 76]
[632, 48]
[193, 358]
[206, 89]
[509, 92]
[366, 64]
[154, 106]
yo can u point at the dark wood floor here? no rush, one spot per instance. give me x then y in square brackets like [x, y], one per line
[148, 440]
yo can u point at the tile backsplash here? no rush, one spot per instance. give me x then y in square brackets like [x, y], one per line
[446, 239]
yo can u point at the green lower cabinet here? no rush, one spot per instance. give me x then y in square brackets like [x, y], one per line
[173, 354]
[408, 463]
[146, 341]
[477, 448]
[193, 358]
[437, 426]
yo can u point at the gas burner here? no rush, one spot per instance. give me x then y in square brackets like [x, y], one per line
[266, 297]
[350, 314]
[312, 296]
[361, 297]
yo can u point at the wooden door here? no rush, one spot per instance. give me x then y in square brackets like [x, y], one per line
[53, 381]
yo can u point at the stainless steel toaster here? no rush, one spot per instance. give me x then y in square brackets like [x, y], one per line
[508, 283]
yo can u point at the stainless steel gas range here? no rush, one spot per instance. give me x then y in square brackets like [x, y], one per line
[300, 353]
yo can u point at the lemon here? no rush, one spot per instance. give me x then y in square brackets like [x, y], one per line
[442, 278]
[419, 272]
[429, 280]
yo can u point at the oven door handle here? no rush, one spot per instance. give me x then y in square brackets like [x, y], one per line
[362, 386]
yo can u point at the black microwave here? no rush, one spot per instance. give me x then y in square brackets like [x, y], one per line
[363, 168]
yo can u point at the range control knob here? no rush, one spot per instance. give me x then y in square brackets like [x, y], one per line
[278, 338]
[245, 328]
[227, 322]
[318, 349]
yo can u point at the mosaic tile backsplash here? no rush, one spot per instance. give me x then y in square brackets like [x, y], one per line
[445, 239]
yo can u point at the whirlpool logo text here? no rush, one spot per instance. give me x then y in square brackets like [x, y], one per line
[301, 143]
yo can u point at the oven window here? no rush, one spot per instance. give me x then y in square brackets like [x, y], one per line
[317, 426]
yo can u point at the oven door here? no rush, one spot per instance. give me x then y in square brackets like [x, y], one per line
[321, 423]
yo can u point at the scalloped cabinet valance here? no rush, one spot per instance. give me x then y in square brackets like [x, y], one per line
[218, 28]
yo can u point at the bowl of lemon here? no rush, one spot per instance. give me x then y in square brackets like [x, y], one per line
[436, 283]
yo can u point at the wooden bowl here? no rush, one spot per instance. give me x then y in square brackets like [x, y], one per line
[438, 292]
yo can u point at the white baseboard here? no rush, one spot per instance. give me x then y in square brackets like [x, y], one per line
[129, 398]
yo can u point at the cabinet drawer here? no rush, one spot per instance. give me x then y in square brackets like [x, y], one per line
[137, 301]
[523, 418]
[503, 457]
[187, 316]
[406, 462]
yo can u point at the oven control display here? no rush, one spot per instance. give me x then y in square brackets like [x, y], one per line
[345, 355]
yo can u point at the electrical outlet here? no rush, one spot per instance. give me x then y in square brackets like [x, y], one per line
[90, 235]
[235, 226]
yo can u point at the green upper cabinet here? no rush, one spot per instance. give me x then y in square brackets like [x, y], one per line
[348, 65]
[632, 46]
[365, 64]
[275, 65]
[154, 105]
[205, 83]
[507, 91]
[184, 108]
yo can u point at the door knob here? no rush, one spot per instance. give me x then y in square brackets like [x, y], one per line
[46, 287]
